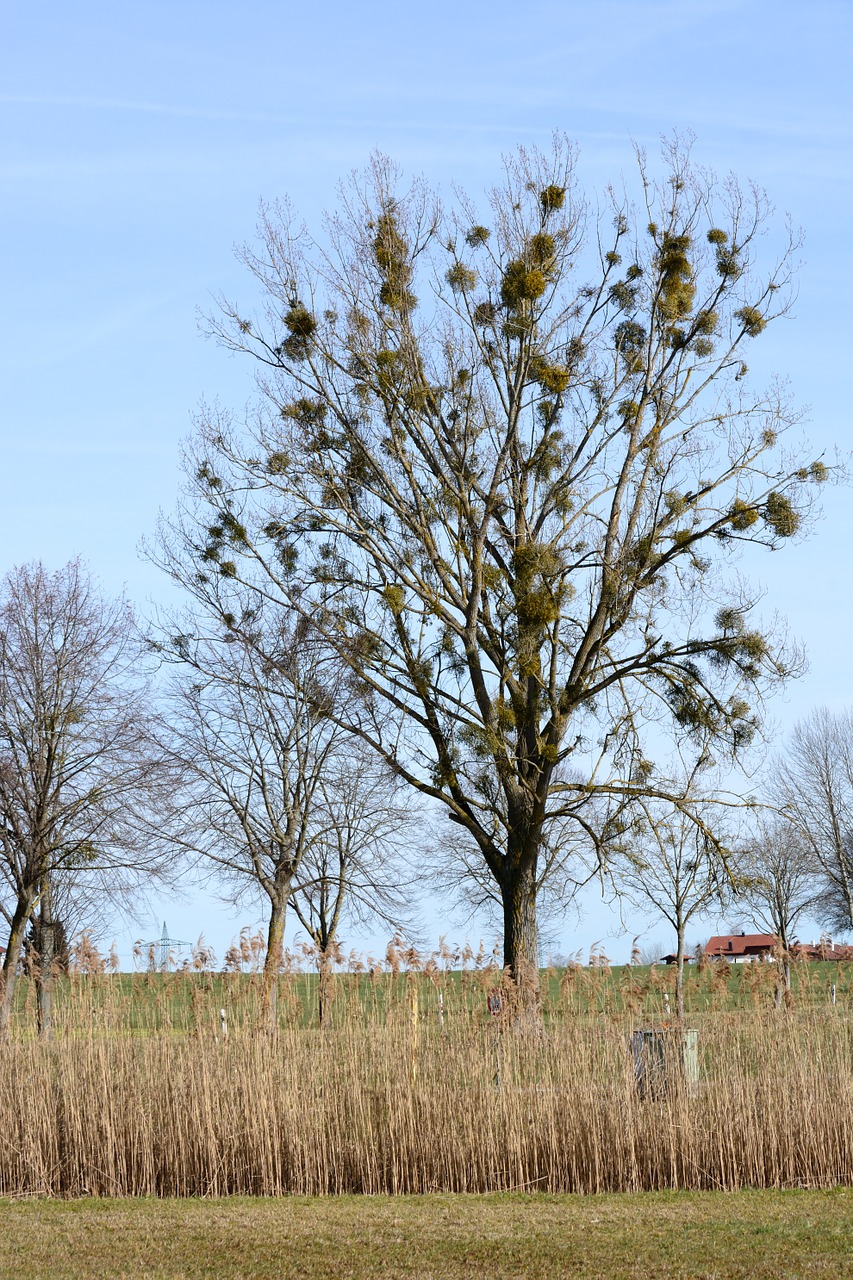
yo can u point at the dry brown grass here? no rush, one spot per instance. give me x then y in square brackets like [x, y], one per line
[753, 1235]
[400, 1105]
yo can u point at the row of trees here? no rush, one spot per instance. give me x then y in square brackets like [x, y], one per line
[237, 769]
[786, 859]
[231, 767]
[474, 540]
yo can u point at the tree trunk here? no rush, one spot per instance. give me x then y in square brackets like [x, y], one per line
[786, 961]
[324, 988]
[679, 976]
[272, 961]
[10, 966]
[783, 967]
[47, 951]
[521, 936]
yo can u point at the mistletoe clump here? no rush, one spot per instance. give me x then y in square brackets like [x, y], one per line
[392, 257]
[301, 327]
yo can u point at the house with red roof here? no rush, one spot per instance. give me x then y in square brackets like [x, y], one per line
[740, 947]
[826, 949]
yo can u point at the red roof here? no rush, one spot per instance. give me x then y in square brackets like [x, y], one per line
[740, 944]
[826, 950]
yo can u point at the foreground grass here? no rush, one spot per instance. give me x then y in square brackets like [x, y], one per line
[763, 1235]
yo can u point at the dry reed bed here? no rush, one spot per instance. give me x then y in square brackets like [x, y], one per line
[409, 1108]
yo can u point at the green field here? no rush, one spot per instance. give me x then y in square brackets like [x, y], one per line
[182, 1000]
[756, 1235]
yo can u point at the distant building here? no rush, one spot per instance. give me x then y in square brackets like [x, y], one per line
[740, 947]
[826, 949]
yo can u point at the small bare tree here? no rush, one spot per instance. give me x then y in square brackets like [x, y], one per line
[779, 883]
[80, 779]
[814, 788]
[351, 868]
[675, 861]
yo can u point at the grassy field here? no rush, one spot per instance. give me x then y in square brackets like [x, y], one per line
[186, 1000]
[709, 1236]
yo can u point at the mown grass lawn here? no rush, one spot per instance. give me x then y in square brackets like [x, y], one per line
[763, 1235]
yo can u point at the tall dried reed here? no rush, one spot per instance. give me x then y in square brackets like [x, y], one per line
[140, 1093]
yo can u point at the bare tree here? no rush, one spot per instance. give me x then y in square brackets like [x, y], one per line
[650, 952]
[77, 900]
[277, 800]
[813, 786]
[778, 879]
[81, 783]
[671, 861]
[513, 512]
[353, 869]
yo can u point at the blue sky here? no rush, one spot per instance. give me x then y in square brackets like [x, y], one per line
[137, 141]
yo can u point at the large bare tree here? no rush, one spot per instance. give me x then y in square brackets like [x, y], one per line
[503, 462]
[81, 784]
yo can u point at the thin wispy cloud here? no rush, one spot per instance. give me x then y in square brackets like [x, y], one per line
[146, 108]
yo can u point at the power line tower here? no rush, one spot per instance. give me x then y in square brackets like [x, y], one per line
[165, 943]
